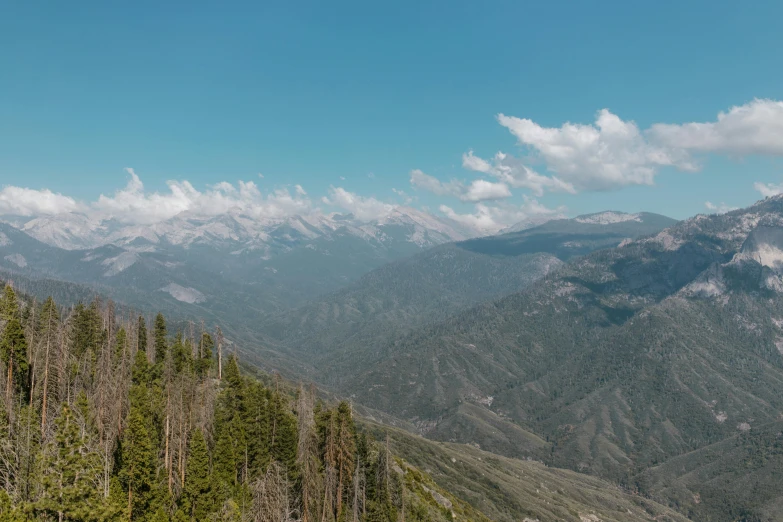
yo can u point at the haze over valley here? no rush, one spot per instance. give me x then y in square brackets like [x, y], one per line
[415, 262]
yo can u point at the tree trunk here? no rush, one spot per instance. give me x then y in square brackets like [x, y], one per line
[45, 383]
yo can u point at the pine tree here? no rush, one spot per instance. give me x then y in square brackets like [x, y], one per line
[67, 468]
[232, 423]
[48, 327]
[140, 372]
[13, 352]
[283, 434]
[123, 424]
[161, 346]
[197, 499]
[181, 354]
[9, 307]
[204, 360]
[120, 345]
[345, 453]
[142, 335]
[138, 459]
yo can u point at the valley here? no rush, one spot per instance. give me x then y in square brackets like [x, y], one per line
[605, 344]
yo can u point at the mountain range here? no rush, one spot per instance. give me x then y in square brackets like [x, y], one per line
[232, 260]
[665, 347]
[630, 347]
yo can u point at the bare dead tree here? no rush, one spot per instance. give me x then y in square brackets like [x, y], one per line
[219, 339]
[272, 500]
[307, 455]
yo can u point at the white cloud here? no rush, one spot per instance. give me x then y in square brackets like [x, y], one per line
[753, 128]
[404, 195]
[490, 219]
[30, 202]
[768, 189]
[609, 154]
[363, 208]
[722, 208]
[613, 153]
[260, 175]
[514, 173]
[423, 181]
[133, 204]
[483, 190]
[478, 190]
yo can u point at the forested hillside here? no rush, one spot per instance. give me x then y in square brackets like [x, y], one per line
[107, 417]
[349, 325]
[619, 361]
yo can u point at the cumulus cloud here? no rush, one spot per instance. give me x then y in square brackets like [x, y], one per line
[133, 204]
[608, 154]
[21, 201]
[490, 219]
[477, 190]
[513, 172]
[753, 128]
[483, 190]
[612, 152]
[363, 208]
[721, 208]
[768, 189]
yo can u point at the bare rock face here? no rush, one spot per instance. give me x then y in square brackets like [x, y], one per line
[765, 246]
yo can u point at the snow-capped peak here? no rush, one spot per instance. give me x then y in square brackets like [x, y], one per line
[238, 230]
[608, 218]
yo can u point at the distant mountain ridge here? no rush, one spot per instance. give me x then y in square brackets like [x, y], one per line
[235, 228]
[265, 264]
[351, 323]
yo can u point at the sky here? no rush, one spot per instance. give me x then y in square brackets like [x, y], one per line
[484, 112]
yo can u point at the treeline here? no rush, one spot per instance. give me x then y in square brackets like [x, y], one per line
[105, 418]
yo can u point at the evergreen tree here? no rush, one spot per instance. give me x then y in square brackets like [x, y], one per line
[67, 471]
[103, 455]
[13, 352]
[197, 499]
[181, 354]
[161, 346]
[139, 467]
[140, 372]
[204, 359]
[120, 344]
[142, 335]
[9, 307]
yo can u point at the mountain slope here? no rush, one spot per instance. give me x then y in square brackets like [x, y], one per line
[509, 490]
[440, 282]
[734, 478]
[621, 359]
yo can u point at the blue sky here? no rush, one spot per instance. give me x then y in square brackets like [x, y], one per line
[310, 92]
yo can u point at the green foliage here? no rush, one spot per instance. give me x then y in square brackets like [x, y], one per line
[197, 497]
[13, 353]
[138, 472]
[141, 335]
[67, 466]
[204, 359]
[159, 333]
[136, 441]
